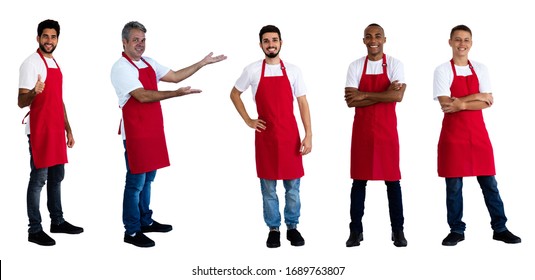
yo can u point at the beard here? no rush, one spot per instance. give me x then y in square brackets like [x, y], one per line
[272, 55]
[43, 49]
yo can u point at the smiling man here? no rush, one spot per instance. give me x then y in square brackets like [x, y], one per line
[464, 149]
[135, 79]
[49, 133]
[374, 85]
[278, 147]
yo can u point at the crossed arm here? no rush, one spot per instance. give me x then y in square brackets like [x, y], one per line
[476, 101]
[357, 98]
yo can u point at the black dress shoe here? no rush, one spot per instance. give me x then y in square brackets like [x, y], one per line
[507, 237]
[399, 238]
[274, 239]
[41, 238]
[156, 227]
[65, 227]
[139, 239]
[295, 237]
[354, 239]
[453, 238]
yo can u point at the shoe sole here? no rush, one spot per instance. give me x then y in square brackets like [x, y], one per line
[508, 242]
[42, 244]
[271, 245]
[141, 245]
[301, 243]
[67, 232]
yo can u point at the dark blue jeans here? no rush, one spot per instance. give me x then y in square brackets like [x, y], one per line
[136, 199]
[52, 176]
[493, 201]
[395, 204]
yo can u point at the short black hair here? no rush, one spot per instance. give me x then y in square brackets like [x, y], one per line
[269, 28]
[461, 27]
[49, 23]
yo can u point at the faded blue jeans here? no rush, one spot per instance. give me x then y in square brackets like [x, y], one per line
[292, 207]
[493, 201]
[136, 199]
[52, 176]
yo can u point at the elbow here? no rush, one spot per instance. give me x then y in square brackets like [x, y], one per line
[399, 97]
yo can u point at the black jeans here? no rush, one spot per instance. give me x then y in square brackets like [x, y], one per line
[395, 204]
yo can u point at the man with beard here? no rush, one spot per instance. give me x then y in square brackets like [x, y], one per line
[135, 79]
[41, 88]
[278, 146]
[374, 85]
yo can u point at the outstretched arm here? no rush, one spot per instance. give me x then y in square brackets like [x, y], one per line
[257, 124]
[142, 95]
[182, 74]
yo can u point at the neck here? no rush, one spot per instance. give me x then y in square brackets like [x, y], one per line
[460, 61]
[274, 60]
[375, 57]
[47, 55]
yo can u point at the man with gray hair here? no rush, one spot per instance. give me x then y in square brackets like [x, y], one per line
[135, 79]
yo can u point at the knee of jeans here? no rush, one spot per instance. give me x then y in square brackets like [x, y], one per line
[38, 178]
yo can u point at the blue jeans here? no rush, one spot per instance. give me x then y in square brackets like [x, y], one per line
[395, 204]
[292, 207]
[454, 203]
[38, 176]
[136, 199]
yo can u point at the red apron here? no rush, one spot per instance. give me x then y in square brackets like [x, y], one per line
[47, 121]
[375, 143]
[277, 147]
[464, 147]
[143, 125]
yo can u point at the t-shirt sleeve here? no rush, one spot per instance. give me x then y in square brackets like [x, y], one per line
[299, 86]
[125, 79]
[441, 82]
[352, 76]
[484, 79]
[244, 81]
[29, 71]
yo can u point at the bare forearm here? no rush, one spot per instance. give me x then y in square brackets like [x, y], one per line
[26, 97]
[67, 124]
[238, 104]
[182, 74]
[305, 115]
[145, 96]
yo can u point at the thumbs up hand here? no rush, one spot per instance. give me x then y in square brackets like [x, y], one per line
[39, 85]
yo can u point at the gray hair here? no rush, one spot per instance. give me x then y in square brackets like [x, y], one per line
[132, 25]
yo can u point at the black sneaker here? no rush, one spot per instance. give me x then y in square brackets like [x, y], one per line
[139, 239]
[354, 239]
[156, 227]
[399, 238]
[65, 227]
[453, 238]
[507, 237]
[295, 237]
[274, 239]
[41, 238]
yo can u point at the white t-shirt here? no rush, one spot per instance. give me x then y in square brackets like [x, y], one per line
[125, 78]
[394, 68]
[251, 77]
[443, 78]
[30, 68]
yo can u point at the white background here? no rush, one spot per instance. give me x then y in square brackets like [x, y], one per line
[210, 193]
